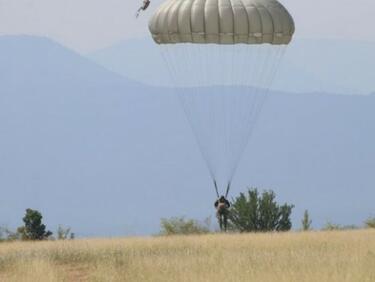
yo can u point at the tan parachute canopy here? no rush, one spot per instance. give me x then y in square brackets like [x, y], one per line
[222, 22]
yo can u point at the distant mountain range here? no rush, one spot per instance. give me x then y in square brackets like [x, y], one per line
[329, 66]
[109, 156]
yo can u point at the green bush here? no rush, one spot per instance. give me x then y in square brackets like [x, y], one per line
[254, 212]
[370, 223]
[183, 226]
[63, 233]
[329, 226]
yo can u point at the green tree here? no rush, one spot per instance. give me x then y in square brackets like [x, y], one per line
[254, 212]
[306, 221]
[33, 229]
[182, 226]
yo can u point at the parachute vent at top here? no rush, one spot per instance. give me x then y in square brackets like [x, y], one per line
[222, 22]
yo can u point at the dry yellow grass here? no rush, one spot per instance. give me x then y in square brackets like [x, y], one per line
[313, 256]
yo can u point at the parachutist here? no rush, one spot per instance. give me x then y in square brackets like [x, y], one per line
[144, 6]
[222, 205]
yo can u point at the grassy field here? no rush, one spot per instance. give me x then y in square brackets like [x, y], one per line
[314, 256]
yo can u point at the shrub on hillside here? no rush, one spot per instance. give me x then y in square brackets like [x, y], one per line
[8, 235]
[63, 233]
[2, 236]
[183, 226]
[370, 223]
[329, 226]
[254, 212]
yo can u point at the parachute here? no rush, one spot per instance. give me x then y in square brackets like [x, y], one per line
[222, 56]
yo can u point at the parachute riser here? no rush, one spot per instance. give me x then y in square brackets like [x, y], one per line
[217, 189]
[227, 192]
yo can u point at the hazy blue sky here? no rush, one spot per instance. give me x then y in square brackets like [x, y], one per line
[86, 25]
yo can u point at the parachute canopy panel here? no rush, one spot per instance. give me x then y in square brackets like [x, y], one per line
[222, 22]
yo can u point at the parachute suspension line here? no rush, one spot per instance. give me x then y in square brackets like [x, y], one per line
[273, 71]
[239, 100]
[170, 69]
[259, 92]
[231, 114]
[199, 104]
[222, 117]
[190, 101]
[178, 87]
[186, 91]
[216, 189]
[248, 104]
[195, 103]
[232, 122]
[228, 188]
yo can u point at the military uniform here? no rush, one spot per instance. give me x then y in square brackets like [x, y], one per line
[222, 205]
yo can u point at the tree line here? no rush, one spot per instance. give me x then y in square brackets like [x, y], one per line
[251, 211]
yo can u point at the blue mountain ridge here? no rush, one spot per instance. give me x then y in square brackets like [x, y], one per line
[309, 65]
[109, 156]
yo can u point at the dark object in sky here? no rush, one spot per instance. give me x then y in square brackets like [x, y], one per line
[145, 5]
